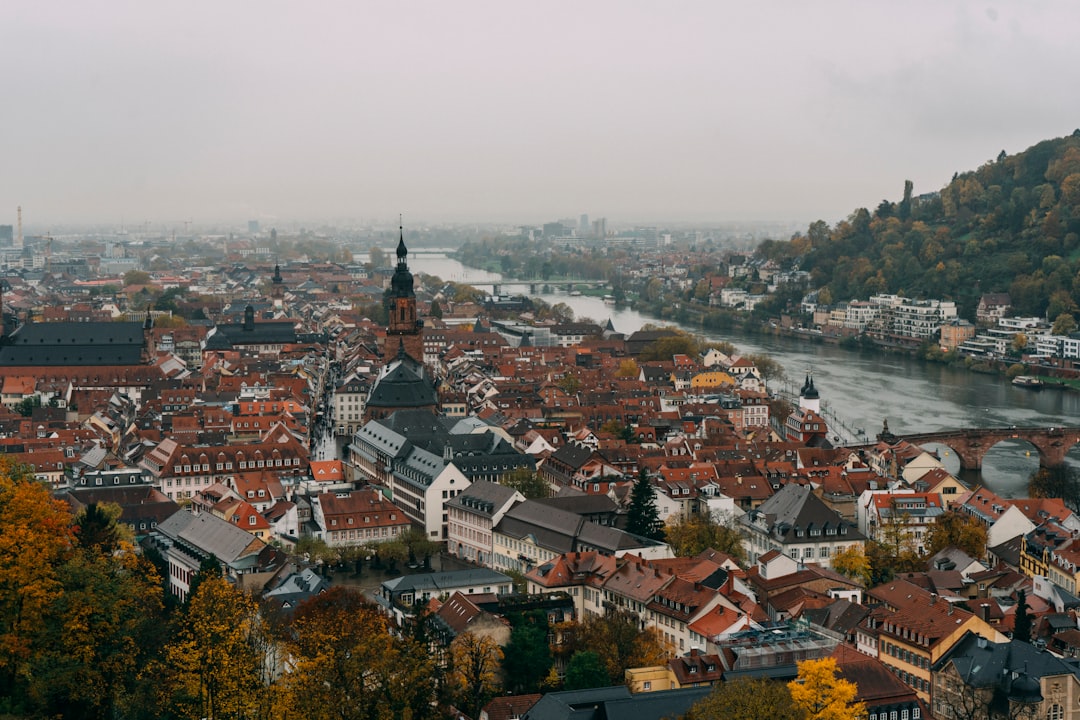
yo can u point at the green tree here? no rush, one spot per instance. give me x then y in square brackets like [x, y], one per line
[746, 699]
[527, 657]
[643, 517]
[821, 695]
[136, 277]
[436, 310]
[1022, 622]
[1064, 324]
[585, 670]
[99, 632]
[690, 536]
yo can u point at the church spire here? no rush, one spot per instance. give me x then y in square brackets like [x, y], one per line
[402, 251]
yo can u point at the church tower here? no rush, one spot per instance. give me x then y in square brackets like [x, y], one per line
[404, 327]
[277, 288]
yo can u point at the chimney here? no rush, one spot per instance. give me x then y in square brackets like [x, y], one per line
[933, 598]
[985, 612]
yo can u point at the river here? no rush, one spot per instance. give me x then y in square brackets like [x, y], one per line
[861, 387]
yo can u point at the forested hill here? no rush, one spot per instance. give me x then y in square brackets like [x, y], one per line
[1011, 226]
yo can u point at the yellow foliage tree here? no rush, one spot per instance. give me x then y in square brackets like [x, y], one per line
[853, 563]
[474, 670]
[214, 667]
[348, 665]
[822, 695]
[35, 540]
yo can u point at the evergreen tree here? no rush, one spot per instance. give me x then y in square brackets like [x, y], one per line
[643, 518]
[1022, 624]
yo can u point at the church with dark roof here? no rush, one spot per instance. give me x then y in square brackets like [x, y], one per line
[74, 344]
[404, 383]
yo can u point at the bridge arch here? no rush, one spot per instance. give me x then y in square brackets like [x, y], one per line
[972, 444]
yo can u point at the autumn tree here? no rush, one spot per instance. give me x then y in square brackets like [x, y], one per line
[769, 368]
[100, 631]
[691, 535]
[746, 699]
[853, 563]
[212, 668]
[619, 641]
[347, 665]
[627, 369]
[955, 529]
[474, 671]
[643, 517]
[1058, 481]
[527, 482]
[821, 695]
[678, 343]
[585, 670]
[36, 540]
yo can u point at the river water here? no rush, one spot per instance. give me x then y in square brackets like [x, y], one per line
[860, 388]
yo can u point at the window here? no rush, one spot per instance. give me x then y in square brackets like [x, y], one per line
[647, 685]
[1056, 712]
[915, 713]
[904, 714]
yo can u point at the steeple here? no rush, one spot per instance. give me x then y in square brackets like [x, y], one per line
[401, 304]
[402, 251]
[277, 274]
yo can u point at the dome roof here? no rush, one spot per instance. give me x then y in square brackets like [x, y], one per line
[1025, 689]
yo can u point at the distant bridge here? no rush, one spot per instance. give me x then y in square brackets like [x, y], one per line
[972, 444]
[535, 285]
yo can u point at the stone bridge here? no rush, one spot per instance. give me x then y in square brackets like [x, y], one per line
[970, 445]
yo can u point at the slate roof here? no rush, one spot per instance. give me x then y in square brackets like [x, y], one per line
[438, 583]
[74, 344]
[405, 385]
[615, 703]
[795, 507]
[984, 663]
[483, 497]
[226, 336]
[211, 535]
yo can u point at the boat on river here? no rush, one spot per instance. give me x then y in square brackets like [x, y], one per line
[1028, 382]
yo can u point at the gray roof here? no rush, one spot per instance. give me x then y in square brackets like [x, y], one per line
[983, 663]
[796, 507]
[561, 531]
[615, 703]
[438, 583]
[405, 385]
[211, 535]
[483, 497]
[74, 343]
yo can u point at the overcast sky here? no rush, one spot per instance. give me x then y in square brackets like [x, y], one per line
[231, 110]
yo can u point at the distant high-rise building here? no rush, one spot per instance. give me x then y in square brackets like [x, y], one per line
[7, 235]
[583, 225]
[253, 226]
[554, 229]
[599, 228]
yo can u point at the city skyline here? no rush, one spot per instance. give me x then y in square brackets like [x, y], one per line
[122, 113]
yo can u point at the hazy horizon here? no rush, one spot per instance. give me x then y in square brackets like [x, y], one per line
[128, 113]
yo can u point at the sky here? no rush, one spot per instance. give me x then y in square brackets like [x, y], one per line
[520, 112]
